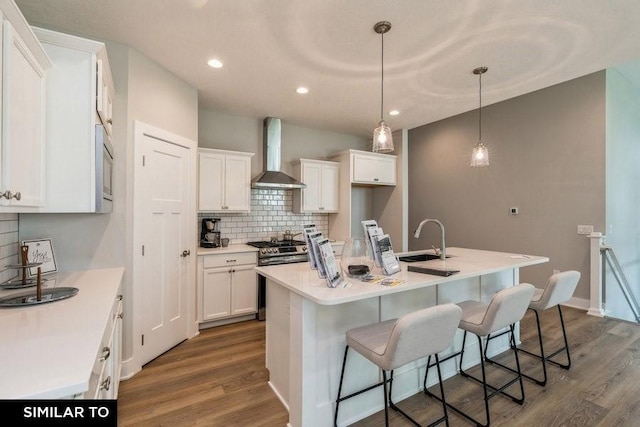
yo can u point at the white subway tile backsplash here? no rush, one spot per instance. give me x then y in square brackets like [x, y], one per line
[271, 214]
[9, 245]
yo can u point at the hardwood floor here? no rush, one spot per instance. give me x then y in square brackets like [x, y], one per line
[219, 379]
[215, 379]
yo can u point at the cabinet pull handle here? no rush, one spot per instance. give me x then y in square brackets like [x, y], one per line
[119, 298]
[231, 260]
[106, 384]
[376, 179]
[120, 315]
[9, 195]
[110, 121]
[106, 352]
[185, 253]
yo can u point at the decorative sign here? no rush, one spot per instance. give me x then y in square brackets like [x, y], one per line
[41, 251]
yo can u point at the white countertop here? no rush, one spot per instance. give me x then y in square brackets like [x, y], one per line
[300, 279]
[48, 350]
[241, 247]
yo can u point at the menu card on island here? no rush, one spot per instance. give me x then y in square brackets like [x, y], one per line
[331, 267]
[321, 256]
[380, 245]
[390, 264]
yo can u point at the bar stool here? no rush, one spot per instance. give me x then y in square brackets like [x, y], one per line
[397, 342]
[507, 307]
[559, 289]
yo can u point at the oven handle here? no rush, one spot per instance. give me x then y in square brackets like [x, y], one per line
[281, 260]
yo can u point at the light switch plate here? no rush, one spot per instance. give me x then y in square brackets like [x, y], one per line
[585, 229]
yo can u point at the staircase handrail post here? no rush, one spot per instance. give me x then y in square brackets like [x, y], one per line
[596, 272]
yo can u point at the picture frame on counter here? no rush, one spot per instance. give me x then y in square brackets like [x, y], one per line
[41, 251]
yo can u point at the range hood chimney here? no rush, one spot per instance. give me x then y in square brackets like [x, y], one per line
[271, 156]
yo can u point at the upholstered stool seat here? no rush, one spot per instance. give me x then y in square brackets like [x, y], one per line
[506, 308]
[395, 343]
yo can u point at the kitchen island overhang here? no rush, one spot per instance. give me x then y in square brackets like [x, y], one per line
[307, 321]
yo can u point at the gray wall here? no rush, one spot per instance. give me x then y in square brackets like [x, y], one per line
[623, 194]
[547, 152]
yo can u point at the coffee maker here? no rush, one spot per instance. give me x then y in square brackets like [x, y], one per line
[210, 233]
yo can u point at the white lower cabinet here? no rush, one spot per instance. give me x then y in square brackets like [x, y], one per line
[105, 375]
[228, 285]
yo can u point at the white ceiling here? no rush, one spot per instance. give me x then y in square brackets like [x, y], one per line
[269, 47]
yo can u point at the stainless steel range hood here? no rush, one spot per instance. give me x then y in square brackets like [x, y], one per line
[272, 177]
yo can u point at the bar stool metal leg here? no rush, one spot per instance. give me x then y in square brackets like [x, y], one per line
[340, 399]
[547, 358]
[411, 337]
[541, 356]
[506, 308]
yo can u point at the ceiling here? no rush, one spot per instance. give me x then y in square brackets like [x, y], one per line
[270, 47]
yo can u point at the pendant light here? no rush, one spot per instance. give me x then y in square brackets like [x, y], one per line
[480, 154]
[382, 138]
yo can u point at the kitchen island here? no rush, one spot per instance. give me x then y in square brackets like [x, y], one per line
[307, 321]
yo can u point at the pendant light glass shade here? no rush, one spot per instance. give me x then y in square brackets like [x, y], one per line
[382, 138]
[480, 154]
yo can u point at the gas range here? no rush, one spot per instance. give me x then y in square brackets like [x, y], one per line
[280, 252]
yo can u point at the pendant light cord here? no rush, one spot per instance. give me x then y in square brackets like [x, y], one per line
[480, 109]
[382, 79]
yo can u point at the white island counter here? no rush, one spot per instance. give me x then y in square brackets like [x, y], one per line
[49, 350]
[306, 323]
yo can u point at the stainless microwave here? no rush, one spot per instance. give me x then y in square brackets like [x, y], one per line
[104, 171]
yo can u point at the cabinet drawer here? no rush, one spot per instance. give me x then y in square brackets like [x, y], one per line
[224, 260]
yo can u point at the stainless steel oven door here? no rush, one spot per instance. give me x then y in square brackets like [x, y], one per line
[104, 171]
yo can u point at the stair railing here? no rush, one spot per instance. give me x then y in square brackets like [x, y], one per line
[609, 257]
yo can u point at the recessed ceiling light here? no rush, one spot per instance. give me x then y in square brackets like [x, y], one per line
[302, 90]
[394, 112]
[214, 63]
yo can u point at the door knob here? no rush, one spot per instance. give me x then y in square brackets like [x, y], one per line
[185, 254]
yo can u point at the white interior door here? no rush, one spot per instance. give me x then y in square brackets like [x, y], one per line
[163, 229]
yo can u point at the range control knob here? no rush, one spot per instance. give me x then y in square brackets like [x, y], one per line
[263, 251]
[304, 248]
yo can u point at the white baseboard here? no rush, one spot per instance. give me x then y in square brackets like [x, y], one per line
[128, 369]
[579, 303]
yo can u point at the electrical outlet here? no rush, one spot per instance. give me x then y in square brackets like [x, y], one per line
[585, 229]
[514, 211]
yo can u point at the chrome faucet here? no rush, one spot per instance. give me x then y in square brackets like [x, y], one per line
[443, 250]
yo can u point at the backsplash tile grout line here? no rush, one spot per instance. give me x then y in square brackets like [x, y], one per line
[271, 214]
[8, 245]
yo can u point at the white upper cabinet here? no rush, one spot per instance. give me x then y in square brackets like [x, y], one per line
[373, 168]
[224, 181]
[104, 91]
[22, 154]
[322, 180]
[79, 93]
